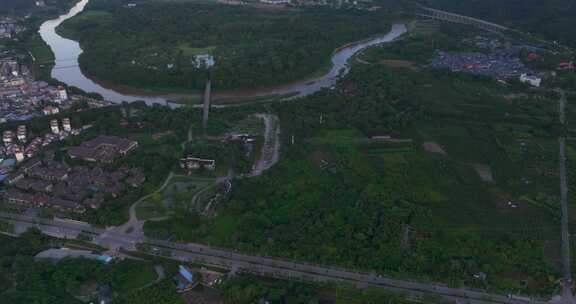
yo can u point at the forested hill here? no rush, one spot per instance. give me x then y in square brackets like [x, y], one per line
[21, 7]
[552, 19]
[8, 5]
[154, 44]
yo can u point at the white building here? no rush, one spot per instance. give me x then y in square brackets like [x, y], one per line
[532, 80]
[21, 133]
[7, 137]
[204, 61]
[66, 124]
[50, 110]
[62, 94]
[19, 155]
[54, 126]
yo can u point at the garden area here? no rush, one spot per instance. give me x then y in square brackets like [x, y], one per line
[179, 194]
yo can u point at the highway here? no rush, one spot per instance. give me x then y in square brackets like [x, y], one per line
[265, 266]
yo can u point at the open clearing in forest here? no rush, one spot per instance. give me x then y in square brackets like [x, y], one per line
[398, 63]
[433, 147]
[485, 172]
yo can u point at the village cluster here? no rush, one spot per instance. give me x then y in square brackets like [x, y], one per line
[47, 183]
[41, 181]
[17, 144]
[499, 66]
[9, 27]
[22, 97]
[498, 59]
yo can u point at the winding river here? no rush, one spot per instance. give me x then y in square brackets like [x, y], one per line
[67, 70]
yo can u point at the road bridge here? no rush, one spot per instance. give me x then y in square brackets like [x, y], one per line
[441, 15]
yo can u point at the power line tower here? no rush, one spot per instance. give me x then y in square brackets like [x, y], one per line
[206, 107]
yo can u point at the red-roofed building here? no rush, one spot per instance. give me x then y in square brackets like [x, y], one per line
[566, 65]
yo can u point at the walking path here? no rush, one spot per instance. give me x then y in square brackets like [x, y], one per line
[567, 296]
[133, 222]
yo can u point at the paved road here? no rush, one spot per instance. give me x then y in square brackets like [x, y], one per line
[567, 296]
[271, 148]
[273, 267]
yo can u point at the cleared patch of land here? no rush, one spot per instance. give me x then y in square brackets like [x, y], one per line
[433, 147]
[485, 172]
[398, 63]
[178, 194]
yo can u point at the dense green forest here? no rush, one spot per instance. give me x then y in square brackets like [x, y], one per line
[248, 289]
[153, 45]
[24, 280]
[551, 19]
[401, 207]
[25, 6]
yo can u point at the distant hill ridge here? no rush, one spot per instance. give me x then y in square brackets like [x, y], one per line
[553, 19]
[9, 5]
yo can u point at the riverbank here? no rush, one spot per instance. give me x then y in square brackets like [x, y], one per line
[40, 54]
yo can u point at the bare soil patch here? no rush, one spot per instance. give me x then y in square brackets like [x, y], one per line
[433, 147]
[157, 136]
[485, 172]
[319, 157]
[398, 63]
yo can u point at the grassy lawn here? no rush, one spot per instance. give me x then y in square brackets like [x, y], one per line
[40, 50]
[44, 58]
[221, 230]
[338, 137]
[521, 168]
[189, 51]
[177, 194]
[136, 276]
[6, 226]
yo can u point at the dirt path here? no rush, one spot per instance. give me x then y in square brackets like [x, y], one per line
[133, 222]
[567, 296]
[161, 275]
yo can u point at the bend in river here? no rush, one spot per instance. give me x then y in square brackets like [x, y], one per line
[67, 70]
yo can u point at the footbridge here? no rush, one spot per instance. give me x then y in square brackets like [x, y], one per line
[440, 15]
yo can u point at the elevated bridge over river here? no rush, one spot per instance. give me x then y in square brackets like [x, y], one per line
[440, 15]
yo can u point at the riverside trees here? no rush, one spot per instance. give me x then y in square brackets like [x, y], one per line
[153, 45]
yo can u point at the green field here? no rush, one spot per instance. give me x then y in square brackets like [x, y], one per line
[177, 195]
[190, 51]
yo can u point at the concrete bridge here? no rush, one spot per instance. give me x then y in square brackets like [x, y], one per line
[440, 15]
